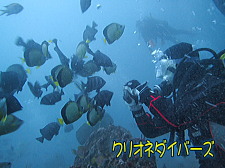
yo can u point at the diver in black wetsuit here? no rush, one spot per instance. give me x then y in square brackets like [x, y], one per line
[191, 95]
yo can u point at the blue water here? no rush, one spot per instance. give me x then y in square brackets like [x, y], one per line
[44, 20]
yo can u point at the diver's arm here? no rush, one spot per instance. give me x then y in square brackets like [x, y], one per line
[150, 127]
[159, 106]
[135, 96]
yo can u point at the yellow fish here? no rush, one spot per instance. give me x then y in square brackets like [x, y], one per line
[105, 41]
[28, 70]
[3, 110]
[60, 121]
[22, 59]
[88, 41]
[81, 50]
[55, 82]
[222, 57]
[4, 119]
[113, 32]
[88, 123]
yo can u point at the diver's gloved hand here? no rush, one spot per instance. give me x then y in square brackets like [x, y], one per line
[134, 94]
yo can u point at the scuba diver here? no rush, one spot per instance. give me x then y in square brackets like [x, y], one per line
[190, 96]
[155, 31]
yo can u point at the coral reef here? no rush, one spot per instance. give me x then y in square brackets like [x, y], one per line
[97, 151]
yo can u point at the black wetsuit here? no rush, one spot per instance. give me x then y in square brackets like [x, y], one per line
[198, 97]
